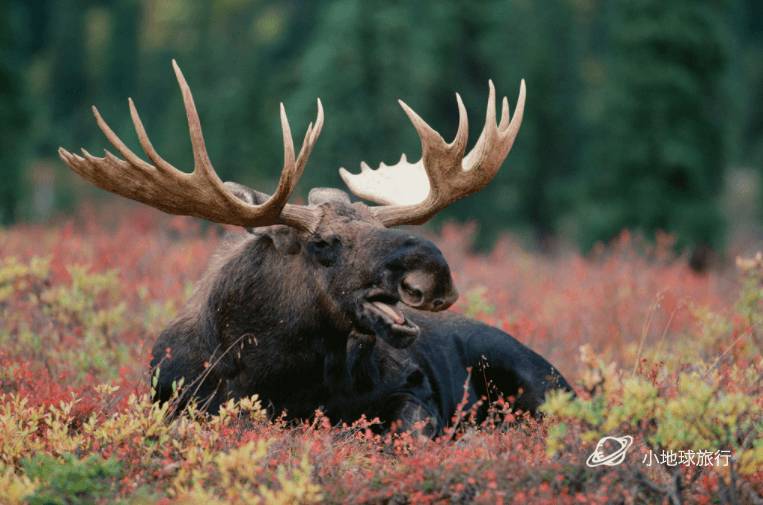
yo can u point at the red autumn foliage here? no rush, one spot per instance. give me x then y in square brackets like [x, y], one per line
[65, 331]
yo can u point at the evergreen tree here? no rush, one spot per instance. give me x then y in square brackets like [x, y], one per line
[12, 118]
[536, 41]
[748, 86]
[364, 55]
[622, 125]
[121, 51]
[68, 101]
[361, 58]
[657, 157]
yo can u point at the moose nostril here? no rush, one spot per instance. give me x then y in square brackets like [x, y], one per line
[437, 303]
[416, 294]
[410, 294]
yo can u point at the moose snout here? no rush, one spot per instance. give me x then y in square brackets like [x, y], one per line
[427, 290]
[418, 271]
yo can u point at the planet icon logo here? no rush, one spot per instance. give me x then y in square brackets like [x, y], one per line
[600, 457]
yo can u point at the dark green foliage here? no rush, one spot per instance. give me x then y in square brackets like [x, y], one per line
[618, 132]
[365, 55]
[747, 86]
[540, 42]
[362, 57]
[657, 157]
[13, 122]
[68, 93]
[71, 481]
[748, 81]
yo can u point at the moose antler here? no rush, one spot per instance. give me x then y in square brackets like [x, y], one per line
[411, 193]
[200, 193]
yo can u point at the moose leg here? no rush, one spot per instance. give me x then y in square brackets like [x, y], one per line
[351, 368]
[504, 366]
[350, 375]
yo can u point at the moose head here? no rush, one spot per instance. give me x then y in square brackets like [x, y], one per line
[332, 265]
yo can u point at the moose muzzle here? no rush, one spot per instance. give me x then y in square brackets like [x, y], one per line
[429, 291]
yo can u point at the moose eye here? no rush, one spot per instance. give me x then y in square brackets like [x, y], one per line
[326, 250]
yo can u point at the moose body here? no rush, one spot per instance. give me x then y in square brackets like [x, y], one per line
[275, 310]
[454, 363]
[260, 323]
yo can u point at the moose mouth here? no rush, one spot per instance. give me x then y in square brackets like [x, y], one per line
[381, 314]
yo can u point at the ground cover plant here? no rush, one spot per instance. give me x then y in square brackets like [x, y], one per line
[654, 351]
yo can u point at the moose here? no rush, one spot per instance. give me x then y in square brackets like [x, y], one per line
[319, 295]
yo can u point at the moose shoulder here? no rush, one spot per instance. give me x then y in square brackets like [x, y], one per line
[275, 304]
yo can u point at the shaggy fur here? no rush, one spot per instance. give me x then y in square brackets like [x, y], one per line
[273, 304]
[273, 314]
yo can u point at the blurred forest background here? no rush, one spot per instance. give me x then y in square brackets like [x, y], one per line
[641, 114]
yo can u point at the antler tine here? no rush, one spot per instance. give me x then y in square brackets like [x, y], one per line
[450, 175]
[120, 146]
[516, 121]
[200, 193]
[145, 142]
[293, 168]
[462, 134]
[505, 112]
[318, 122]
[289, 173]
[428, 135]
[311, 137]
[434, 147]
[475, 158]
[505, 133]
[200, 156]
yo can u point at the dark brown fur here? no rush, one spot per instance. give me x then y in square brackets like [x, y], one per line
[274, 303]
[274, 314]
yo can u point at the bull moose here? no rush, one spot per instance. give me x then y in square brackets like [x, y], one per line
[276, 303]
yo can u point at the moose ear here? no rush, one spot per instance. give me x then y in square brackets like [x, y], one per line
[284, 239]
[318, 196]
[247, 194]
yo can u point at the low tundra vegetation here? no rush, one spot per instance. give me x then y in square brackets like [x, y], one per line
[656, 353]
